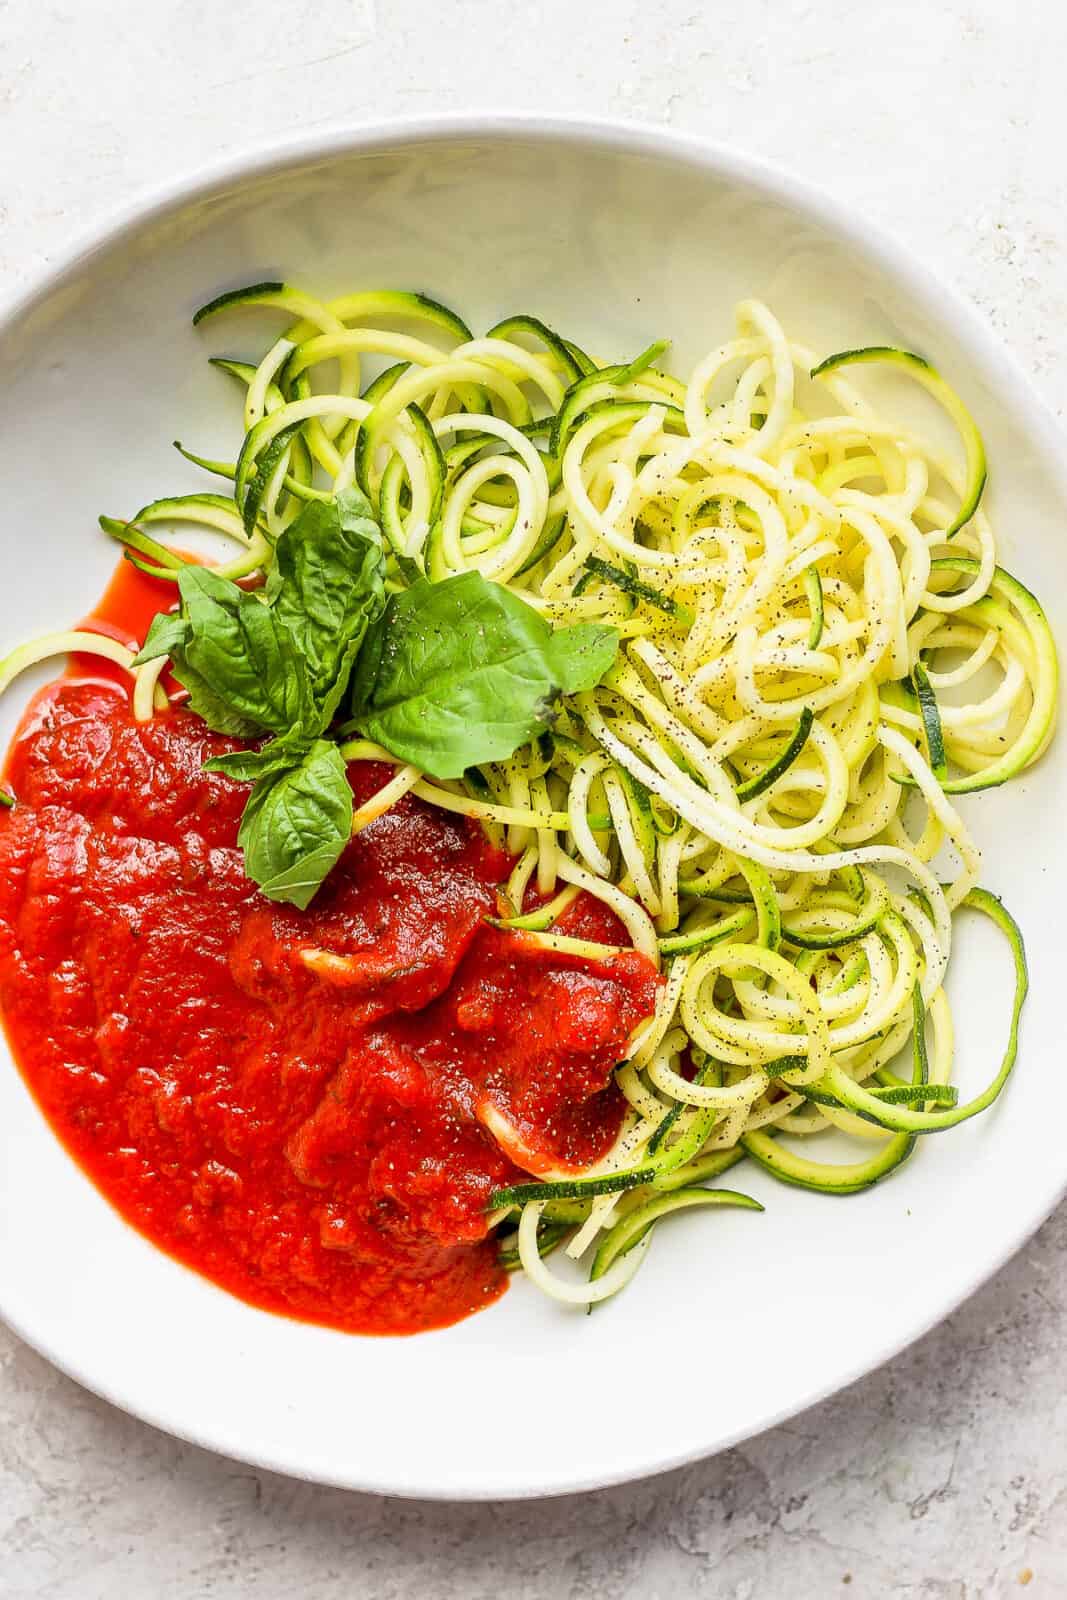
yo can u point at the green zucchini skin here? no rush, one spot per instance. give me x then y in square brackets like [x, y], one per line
[697, 938]
[935, 738]
[813, 590]
[598, 394]
[905, 1119]
[508, 327]
[637, 1223]
[637, 590]
[763, 780]
[252, 294]
[931, 380]
[641, 363]
[577, 1188]
[822, 1176]
[1041, 721]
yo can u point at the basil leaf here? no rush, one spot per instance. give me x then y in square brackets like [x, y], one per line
[277, 755]
[168, 633]
[580, 655]
[239, 663]
[327, 586]
[462, 672]
[214, 708]
[296, 824]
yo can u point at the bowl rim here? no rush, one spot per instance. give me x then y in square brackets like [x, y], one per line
[946, 304]
[624, 135]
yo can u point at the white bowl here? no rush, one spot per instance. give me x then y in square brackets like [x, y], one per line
[616, 235]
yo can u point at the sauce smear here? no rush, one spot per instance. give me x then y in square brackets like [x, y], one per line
[293, 1103]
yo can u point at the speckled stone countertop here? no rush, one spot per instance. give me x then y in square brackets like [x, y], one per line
[945, 1474]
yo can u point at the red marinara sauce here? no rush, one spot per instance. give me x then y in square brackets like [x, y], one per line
[290, 1102]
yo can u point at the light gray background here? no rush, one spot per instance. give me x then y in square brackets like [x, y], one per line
[944, 1475]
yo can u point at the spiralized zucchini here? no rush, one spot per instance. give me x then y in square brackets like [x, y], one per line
[817, 650]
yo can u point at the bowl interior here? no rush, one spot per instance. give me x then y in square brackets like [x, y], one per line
[735, 1321]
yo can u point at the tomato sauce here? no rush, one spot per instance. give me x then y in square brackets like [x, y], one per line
[293, 1103]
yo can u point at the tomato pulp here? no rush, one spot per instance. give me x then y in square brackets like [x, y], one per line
[293, 1103]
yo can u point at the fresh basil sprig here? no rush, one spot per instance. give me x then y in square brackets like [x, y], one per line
[445, 675]
[276, 662]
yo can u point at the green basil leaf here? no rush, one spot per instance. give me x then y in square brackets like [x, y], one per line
[239, 663]
[278, 755]
[462, 672]
[580, 655]
[167, 634]
[327, 585]
[296, 824]
[213, 707]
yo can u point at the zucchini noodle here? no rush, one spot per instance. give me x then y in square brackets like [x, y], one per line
[817, 650]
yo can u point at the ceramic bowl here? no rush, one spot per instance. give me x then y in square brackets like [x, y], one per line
[617, 235]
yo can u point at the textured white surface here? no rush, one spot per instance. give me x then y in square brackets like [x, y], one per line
[946, 1474]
